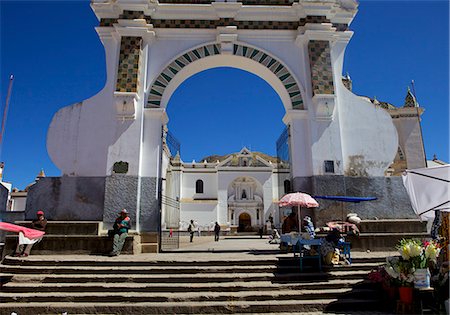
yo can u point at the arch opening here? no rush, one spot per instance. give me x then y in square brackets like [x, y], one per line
[244, 57]
[232, 108]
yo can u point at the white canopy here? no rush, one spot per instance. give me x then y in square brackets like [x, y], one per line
[428, 190]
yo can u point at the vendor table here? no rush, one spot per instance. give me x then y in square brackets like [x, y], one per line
[301, 243]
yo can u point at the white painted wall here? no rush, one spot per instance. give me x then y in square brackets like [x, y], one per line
[204, 213]
[369, 137]
[410, 137]
[209, 184]
[18, 203]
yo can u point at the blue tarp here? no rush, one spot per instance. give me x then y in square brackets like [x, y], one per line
[346, 198]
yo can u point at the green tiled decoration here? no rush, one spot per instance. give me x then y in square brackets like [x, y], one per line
[128, 69]
[158, 87]
[221, 22]
[275, 67]
[321, 70]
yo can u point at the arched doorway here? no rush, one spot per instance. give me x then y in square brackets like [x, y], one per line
[245, 223]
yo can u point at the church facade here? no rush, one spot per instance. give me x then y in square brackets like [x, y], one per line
[239, 190]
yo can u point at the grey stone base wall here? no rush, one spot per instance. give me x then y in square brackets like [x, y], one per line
[136, 194]
[3, 197]
[120, 193]
[96, 199]
[149, 216]
[67, 198]
[392, 199]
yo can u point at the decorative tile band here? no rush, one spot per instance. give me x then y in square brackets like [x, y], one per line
[244, 2]
[212, 24]
[128, 69]
[161, 82]
[158, 87]
[276, 68]
[321, 70]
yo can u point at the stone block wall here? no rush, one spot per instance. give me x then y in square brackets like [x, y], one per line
[392, 199]
[136, 194]
[67, 198]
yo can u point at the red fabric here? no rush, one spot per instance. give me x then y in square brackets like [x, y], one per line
[27, 232]
[298, 199]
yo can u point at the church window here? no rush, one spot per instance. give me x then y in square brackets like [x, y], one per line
[244, 194]
[287, 186]
[199, 187]
[257, 214]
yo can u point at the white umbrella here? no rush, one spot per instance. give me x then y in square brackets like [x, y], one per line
[428, 190]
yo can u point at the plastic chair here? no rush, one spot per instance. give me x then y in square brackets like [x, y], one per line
[345, 250]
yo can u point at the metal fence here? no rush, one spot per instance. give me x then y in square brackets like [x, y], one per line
[170, 238]
[283, 148]
[284, 163]
[172, 143]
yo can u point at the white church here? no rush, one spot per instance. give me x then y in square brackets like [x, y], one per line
[238, 190]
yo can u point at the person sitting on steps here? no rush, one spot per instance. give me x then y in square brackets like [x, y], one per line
[120, 232]
[40, 223]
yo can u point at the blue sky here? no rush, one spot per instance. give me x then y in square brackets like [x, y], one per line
[57, 59]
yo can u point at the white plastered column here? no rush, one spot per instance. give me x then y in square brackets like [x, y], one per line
[324, 133]
[299, 142]
[129, 105]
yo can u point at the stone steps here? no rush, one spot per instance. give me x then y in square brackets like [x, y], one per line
[186, 278]
[204, 307]
[122, 285]
[70, 244]
[181, 287]
[381, 241]
[166, 269]
[68, 227]
[135, 297]
[188, 262]
[393, 226]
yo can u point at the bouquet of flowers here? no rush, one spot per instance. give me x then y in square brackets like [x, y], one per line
[418, 254]
[400, 271]
[414, 255]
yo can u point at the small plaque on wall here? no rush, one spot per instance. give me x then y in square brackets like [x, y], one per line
[120, 167]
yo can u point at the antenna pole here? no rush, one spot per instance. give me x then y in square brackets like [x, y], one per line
[414, 90]
[5, 111]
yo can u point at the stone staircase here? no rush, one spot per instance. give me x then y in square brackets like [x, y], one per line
[183, 284]
[72, 237]
[384, 235]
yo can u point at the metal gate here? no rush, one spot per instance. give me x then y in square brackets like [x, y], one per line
[170, 193]
[170, 236]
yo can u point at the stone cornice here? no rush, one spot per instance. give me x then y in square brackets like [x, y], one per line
[333, 11]
[406, 112]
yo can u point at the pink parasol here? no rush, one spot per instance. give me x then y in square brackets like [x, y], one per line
[300, 200]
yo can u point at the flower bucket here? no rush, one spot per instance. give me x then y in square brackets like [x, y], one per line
[406, 294]
[390, 291]
[422, 278]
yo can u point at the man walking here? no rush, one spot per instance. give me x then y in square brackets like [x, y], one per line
[191, 228]
[216, 232]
